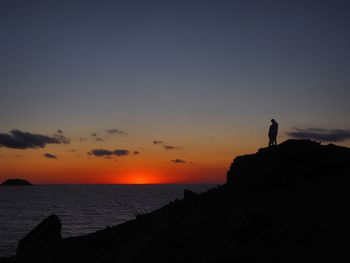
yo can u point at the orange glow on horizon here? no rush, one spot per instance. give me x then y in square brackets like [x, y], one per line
[96, 176]
[141, 177]
[152, 166]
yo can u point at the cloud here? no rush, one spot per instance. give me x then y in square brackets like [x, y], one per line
[136, 152]
[96, 137]
[166, 146]
[101, 152]
[328, 135]
[171, 147]
[50, 156]
[106, 153]
[178, 161]
[121, 152]
[100, 136]
[62, 139]
[17, 139]
[115, 132]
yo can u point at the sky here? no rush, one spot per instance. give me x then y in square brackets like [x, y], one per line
[165, 91]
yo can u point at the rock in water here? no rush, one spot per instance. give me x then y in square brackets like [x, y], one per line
[15, 182]
[41, 242]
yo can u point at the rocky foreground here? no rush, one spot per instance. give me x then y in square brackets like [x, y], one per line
[287, 203]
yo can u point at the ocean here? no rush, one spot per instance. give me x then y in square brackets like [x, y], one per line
[82, 208]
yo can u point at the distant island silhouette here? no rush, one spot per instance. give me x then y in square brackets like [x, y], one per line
[16, 182]
[286, 203]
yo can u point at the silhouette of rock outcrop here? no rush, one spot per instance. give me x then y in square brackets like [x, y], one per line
[41, 242]
[294, 163]
[286, 203]
[188, 194]
[15, 182]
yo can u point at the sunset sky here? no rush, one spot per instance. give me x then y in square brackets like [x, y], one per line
[165, 91]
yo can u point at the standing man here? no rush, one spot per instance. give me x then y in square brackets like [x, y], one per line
[273, 133]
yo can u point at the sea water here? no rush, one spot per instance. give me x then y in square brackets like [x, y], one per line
[82, 208]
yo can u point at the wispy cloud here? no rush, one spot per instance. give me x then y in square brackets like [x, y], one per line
[103, 135]
[17, 139]
[50, 156]
[178, 161]
[328, 135]
[96, 136]
[166, 146]
[115, 132]
[171, 147]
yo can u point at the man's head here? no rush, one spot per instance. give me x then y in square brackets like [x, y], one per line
[273, 120]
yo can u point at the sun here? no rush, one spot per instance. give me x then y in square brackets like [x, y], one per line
[145, 177]
[138, 178]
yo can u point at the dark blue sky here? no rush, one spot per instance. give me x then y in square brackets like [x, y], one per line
[175, 68]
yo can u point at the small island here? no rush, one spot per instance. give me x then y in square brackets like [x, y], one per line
[16, 182]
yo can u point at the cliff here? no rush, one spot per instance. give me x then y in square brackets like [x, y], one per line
[286, 203]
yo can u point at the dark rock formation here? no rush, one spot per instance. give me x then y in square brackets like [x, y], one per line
[15, 182]
[188, 194]
[290, 163]
[287, 203]
[40, 244]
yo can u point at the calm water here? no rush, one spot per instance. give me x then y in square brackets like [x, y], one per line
[82, 208]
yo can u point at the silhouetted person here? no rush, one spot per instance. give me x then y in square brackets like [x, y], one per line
[273, 133]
